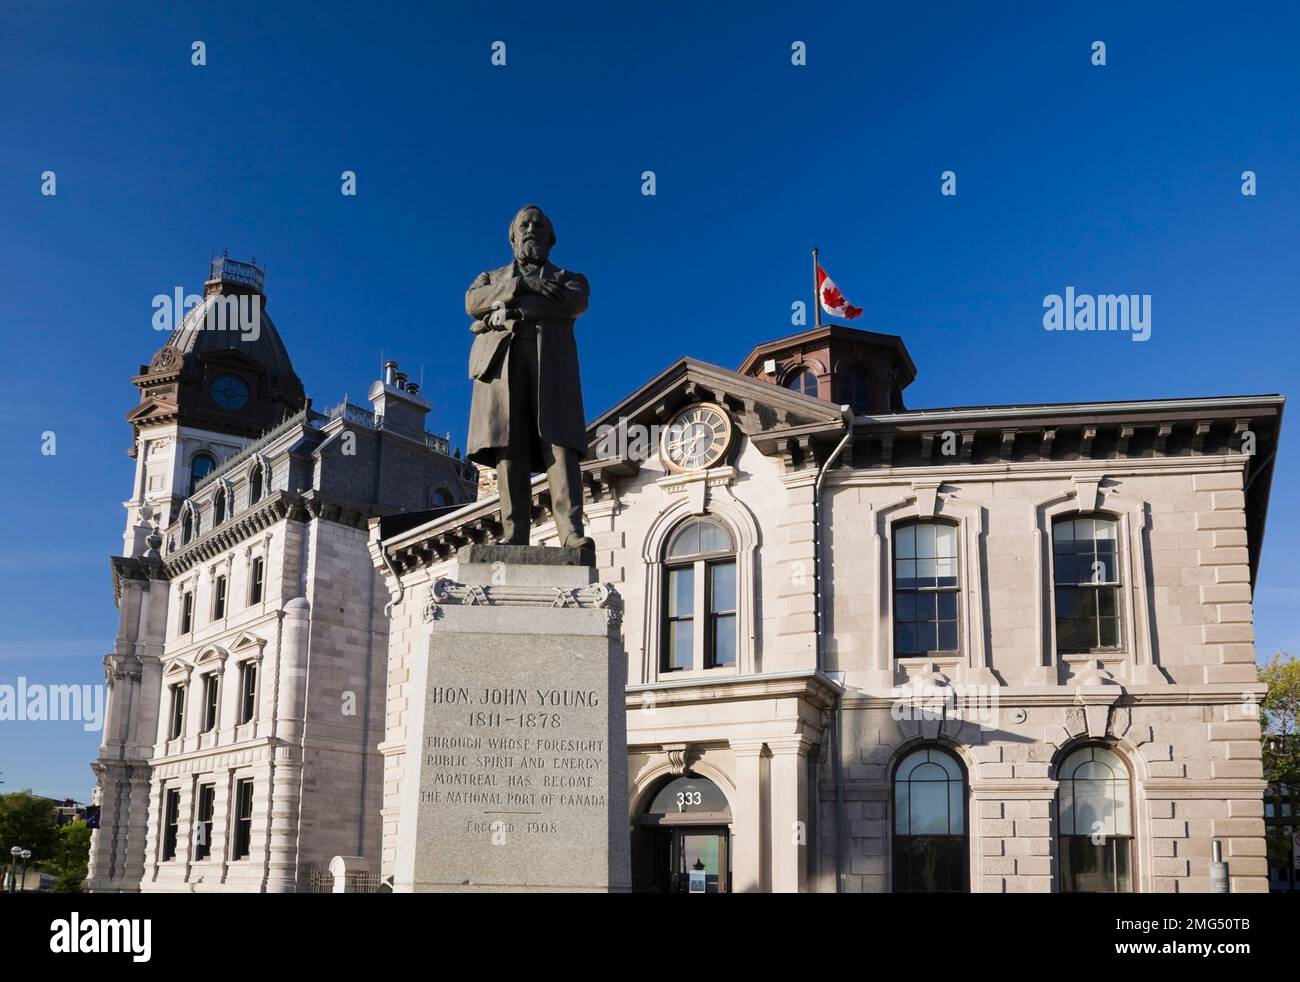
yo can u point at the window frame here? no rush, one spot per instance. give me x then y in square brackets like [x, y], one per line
[176, 711]
[241, 844]
[898, 841]
[207, 796]
[1113, 842]
[915, 522]
[186, 625]
[220, 596]
[247, 712]
[171, 825]
[799, 374]
[703, 618]
[1117, 585]
[211, 701]
[200, 455]
[256, 580]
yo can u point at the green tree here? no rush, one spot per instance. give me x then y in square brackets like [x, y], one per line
[1279, 717]
[26, 820]
[71, 857]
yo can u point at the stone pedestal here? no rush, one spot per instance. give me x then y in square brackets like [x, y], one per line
[516, 738]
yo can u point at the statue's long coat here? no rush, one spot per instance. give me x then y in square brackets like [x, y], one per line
[559, 393]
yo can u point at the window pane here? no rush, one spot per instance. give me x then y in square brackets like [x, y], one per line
[1103, 529]
[681, 592]
[1108, 633]
[681, 645]
[724, 640]
[1064, 569]
[947, 605]
[925, 542]
[905, 606]
[1108, 602]
[945, 570]
[723, 587]
[905, 573]
[947, 636]
[925, 572]
[1065, 640]
[713, 538]
[904, 639]
[925, 606]
[905, 542]
[946, 540]
[686, 541]
[1063, 533]
[929, 808]
[1085, 604]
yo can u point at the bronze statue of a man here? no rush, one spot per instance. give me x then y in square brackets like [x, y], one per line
[526, 414]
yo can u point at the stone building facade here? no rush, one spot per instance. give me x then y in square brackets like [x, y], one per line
[870, 648]
[247, 680]
[992, 649]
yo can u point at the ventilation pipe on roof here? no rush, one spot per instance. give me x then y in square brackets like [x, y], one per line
[390, 368]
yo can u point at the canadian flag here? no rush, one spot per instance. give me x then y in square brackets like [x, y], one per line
[831, 299]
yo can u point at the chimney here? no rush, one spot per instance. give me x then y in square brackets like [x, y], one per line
[397, 405]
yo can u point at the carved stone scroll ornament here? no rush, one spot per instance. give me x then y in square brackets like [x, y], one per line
[444, 592]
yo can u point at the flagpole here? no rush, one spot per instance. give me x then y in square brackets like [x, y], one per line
[817, 300]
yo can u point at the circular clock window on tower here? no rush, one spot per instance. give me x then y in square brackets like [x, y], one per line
[229, 392]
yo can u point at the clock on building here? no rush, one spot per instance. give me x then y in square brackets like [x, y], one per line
[229, 392]
[696, 438]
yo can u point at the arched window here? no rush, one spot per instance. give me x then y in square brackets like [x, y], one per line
[926, 608]
[440, 498]
[255, 482]
[1095, 822]
[219, 507]
[201, 466]
[700, 598]
[1085, 571]
[803, 381]
[854, 390]
[187, 525]
[931, 852]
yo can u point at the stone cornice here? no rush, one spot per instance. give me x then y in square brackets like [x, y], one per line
[813, 687]
[275, 507]
[1181, 694]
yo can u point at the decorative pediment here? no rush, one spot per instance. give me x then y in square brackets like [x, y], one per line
[779, 422]
[151, 409]
[247, 646]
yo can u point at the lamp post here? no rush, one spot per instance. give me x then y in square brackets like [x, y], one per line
[15, 852]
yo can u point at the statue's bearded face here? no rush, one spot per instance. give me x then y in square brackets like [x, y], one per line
[531, 236]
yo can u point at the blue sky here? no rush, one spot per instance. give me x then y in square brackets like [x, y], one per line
[1115, 179]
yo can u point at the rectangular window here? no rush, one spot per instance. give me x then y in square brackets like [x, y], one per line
[925, 589]
[243, 818]
[1085, 572]
[172, 823]
[209, 702]
[255, 582]
[177, 712]
[247, 690]
[680, 652]
[203, 823]
[722, 615]
[219, 599]
[187, 612]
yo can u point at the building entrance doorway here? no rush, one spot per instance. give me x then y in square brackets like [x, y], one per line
[682, 842]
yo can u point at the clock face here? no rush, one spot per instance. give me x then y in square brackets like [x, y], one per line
[697, 438]
[229, 392]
